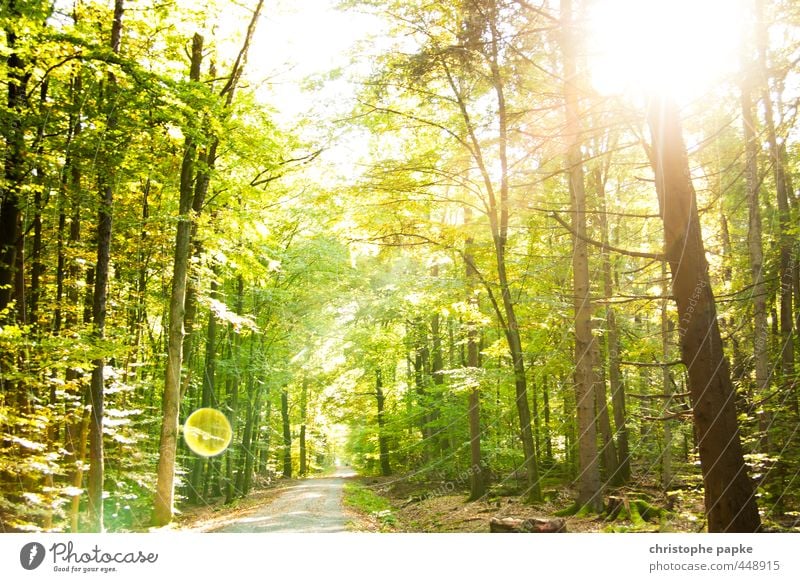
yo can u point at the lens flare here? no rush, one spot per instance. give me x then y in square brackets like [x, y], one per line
[207, 432]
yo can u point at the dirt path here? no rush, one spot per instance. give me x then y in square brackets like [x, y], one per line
[312, 506]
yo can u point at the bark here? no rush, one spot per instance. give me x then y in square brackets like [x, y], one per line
[498, 207]
[479, 474]
[162, 506]
[287, 434]
[437, 365]
[383, 442]
[729, 496]
[786, 266]
[755, 248]
[164, 498]
[616, 387]
[14, 164]
[548, 439]
[303, 413]
[233, 394]
[77, 439]
[421, 369]
[666, 388]
[537, 428]
[589, 487]
[38, 268]
[250, 459]
[266, 440]
[608, 450]
[96, 396]
[208, 397]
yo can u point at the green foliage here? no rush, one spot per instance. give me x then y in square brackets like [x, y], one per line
[365, 500]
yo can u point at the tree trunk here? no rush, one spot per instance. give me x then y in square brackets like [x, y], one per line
[421, 369]
[266, 440]
[231, 490]
[729, 495]
[77, 439]
[383, 443]
[589, 488]
[617, 388]
[666, 386]
[250, 433]
[14, 168]
[106, 182]
[787, 239]
[287, 434]
[548, 439]
[478, 477]
[208, 397]
[164, 498]
[497, 203]
[303, 412]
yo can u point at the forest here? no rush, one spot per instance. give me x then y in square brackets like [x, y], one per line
[537, 249]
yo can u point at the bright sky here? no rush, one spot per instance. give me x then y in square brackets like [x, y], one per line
[296, 41]
[678, 47]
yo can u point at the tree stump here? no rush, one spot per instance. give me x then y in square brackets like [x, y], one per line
[533, 525]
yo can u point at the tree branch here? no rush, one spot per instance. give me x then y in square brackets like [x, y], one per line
[642, 255]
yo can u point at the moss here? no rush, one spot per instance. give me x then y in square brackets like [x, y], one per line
[568, 511]
[635, 516]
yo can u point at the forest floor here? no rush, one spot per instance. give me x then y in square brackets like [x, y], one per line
[420, 507]
[343, 501]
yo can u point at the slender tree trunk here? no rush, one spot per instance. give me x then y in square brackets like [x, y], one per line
[548, 440]
[537, 428]
[666, 386]
[267, 436]
[383, 442]
[617, 388]
[77, 440]
[608, 450]
[420, 363]
[287, 434]
[589, 488]
[77, 422]
[787, 239]
[165, 490]
[303, 412]
[247, 463]
[729, 495]
[479, 475]
[231, 490]
[437, 365]
[208, 397]
[14, 165]
[37, 261]
[497, 203]
[106, 182]
[755, 247]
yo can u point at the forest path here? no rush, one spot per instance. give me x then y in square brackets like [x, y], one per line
[311, 506]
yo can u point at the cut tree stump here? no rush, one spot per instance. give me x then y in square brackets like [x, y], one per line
[534, 525]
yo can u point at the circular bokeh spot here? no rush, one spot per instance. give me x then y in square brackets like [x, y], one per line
[207, 432]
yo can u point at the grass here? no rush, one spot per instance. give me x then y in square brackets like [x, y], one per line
[366, 501]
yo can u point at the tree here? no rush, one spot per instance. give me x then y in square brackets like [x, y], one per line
[190, 184]
[163, 503]
[589, 491]
[729, 495]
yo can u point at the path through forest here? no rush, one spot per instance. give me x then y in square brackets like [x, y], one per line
[311, 506]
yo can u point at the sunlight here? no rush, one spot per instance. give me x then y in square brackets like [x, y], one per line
[681, 48]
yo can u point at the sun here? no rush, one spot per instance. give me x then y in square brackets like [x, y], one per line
[679, 48]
